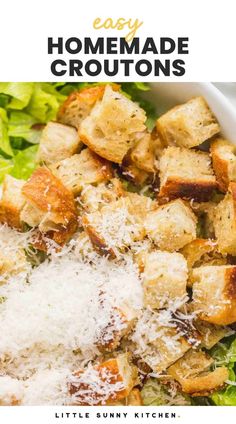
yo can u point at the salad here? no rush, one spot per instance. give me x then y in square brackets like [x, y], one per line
[118, 246]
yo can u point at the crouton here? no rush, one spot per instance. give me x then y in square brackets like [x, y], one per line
[49, 205]
[202, 252]
[210, 333]
[12, 266]
[143, 153]
[141, 204]
[57, 142]
[164, 279]
[191, 372]
[82, 169]
[131, 172]
[188, 125]
[214, 293]
[109, 381]
[80, 103]
[165, 349]
[171, 226]
[93, 198]
[223, 155]
[186, 173]
[190, 365]
[12, 201]
[114, 228]
[110, 127]
[119, 323]
[224, 222]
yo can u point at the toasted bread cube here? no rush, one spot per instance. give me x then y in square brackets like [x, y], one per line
[165, 278]
[143, 153]
[93, 198]
[211, 334]
[110, 127]
[114, 228]
[119, 323]
[190, 365]
[131, 172]
[109, 381]
[49, 205]
[140, 203]
[12, 201]
[197, 248]
[12, 266]
[171, 226]
[202, 252]
[223, 155]
[190, 372]
[224, 222]
[79, 105]
[214, 293]
[188, 125]
[82, 169]
[158, 341]
[58, 142]
[204, 384]
[186, 173]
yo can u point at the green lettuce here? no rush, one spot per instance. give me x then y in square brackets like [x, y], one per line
[19, 93]
[154, 394]
[5, 146]
[225, 355]
[44, 102]
[24, 163]
[6, 166]
[20, 125]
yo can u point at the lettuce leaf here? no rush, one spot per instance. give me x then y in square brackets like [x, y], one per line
[44, 102]
[225, 355]
[19, 92]
[154, 393]
[5, 146]
[20, 126]
[6, 166]
[24, 163]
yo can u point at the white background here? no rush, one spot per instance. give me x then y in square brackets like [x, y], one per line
[25, 26]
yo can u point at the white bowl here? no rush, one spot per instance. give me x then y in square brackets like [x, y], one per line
[167, 94]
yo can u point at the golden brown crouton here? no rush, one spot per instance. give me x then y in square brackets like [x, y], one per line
[93, 198]
[171, 226]
[190, 372]
[12, 201]
[82, 169]
[141, 204]
[224, 162]
[12, 265]
[131, 172]
[214, 293]
[57, 142]
[210, 333]
[80, 103]
[186, 173]
[164, 279]
[110, 127]
[114, 228]
[224, 222]
[54, 203]
[109, 381]
[160, 340]
[118, 325]
[188, 125]
[143, 154]
[202, 252]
